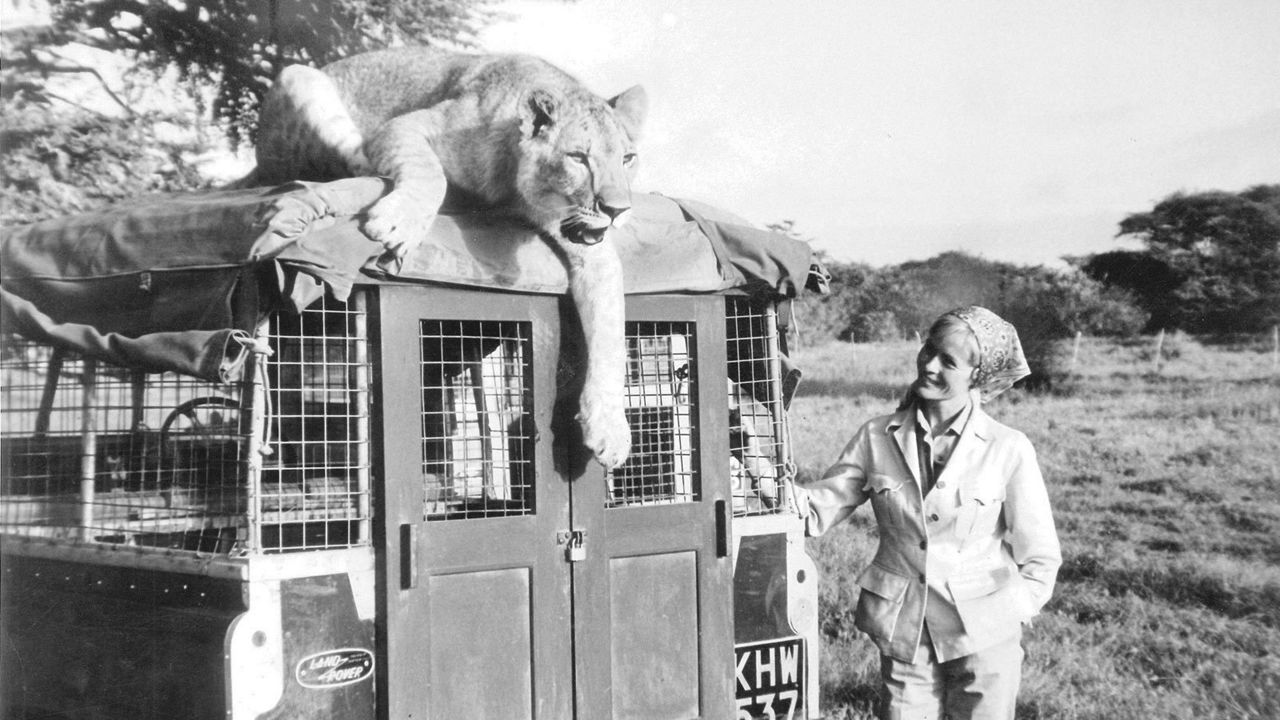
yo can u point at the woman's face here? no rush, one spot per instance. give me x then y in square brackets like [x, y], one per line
[945, 365]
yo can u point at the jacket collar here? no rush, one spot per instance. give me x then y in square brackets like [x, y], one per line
[901, 426]
[979, 421]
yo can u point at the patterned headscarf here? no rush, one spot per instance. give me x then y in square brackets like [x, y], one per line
[1000, 362]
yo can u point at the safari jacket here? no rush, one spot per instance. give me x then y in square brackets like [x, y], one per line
[975, 557]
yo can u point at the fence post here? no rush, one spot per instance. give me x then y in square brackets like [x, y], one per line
[1159, 351]
[1075, 351]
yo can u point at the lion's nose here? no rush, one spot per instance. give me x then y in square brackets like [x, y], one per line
[614, 210]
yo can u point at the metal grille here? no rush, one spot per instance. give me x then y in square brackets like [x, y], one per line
[477, 427]
[101, 454]
[95, 453]
[757, 454]
[661, 411]
[314, 492]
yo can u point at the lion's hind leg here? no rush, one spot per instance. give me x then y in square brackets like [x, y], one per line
[305, 131]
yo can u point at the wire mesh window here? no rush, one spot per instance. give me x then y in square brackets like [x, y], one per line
[92, 452]
[660, 408]
[757, 457]
[101, 454]
[314, 492]
[477, 422]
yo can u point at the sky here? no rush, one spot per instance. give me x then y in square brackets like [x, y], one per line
[893, 130]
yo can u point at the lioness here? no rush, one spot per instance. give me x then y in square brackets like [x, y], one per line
[511, 131]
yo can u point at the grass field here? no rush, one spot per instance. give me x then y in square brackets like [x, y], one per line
[1166, 490]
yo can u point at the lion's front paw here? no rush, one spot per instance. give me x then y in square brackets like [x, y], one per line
[398, 223]
[604, 430]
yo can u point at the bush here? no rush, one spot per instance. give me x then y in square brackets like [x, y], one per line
[1049, 306]
[1046, 305]
[875, 326]
[1172, 347]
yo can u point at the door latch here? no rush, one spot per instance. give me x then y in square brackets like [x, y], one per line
[576, 542]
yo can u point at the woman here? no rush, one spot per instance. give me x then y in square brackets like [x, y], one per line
[968, 551]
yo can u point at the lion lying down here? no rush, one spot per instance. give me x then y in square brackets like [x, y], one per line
[512, 132]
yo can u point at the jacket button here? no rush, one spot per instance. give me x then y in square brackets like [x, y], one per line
[940, 484]
[922, 578]
[924, 544]
[934, 517]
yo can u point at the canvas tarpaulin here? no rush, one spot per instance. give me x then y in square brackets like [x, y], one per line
[179, 282]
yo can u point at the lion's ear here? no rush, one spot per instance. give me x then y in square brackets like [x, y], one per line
[630, 107]
[537, 112]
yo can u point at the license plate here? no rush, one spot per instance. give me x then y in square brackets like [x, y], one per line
[770, 680]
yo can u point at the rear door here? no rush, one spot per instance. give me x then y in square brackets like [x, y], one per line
[652, 590]
[519, 579]
[476, 584]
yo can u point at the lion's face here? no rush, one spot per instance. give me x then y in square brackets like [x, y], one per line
[578, 160]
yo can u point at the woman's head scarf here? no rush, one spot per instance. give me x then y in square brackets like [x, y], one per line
[1001, 362]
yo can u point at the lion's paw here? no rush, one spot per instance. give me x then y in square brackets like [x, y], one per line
[605, 431]
[398, 223]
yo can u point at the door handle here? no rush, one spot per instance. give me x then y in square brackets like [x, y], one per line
[722, 529]
[408, 556]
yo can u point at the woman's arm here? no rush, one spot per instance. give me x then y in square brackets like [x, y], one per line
[832, 499]
[1031, 533]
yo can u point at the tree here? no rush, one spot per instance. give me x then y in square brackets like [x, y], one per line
[241, 45]
[946, 281]
[59, 157]
[51, 169]
[837, 314]
[1150, 281]
[1222, 254]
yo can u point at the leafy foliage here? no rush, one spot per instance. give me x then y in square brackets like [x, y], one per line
[85, 162]
[1212, 260]
[866, 303]
[876, 305]
[59, 157]
[1047, 306]
[1150, 280]
[242, 44]
[835, 315]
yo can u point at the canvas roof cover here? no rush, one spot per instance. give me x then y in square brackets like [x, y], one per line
[179, 282]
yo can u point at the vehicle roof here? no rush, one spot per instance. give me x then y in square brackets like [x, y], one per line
[190, 268]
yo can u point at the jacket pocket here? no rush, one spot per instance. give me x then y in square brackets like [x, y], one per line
[980, 513]
[888, 499]
[988, 603]
[880, 601]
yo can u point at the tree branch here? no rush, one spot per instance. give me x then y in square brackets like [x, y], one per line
[73, 103]
[47, 68]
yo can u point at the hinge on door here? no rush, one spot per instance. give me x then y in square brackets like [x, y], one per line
[576, 541]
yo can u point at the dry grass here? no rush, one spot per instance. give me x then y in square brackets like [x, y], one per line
[1164, 487]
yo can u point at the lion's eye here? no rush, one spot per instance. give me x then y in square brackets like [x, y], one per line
[628, 159]
[580, 158]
